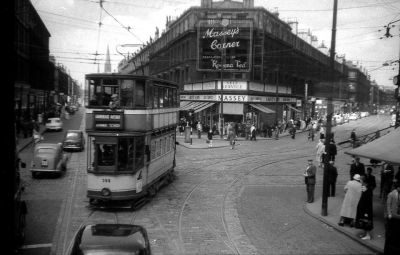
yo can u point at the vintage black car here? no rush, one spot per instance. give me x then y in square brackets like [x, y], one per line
[48, 158]
[117, 239]
[74, 140]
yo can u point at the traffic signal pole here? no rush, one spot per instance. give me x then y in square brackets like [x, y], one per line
[329, 113]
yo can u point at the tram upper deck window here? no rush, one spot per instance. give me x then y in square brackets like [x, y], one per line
[101, 90]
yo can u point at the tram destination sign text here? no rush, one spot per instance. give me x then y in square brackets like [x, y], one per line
[108, 120]
[231, 36]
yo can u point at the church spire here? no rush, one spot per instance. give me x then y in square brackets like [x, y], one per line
[107, 64]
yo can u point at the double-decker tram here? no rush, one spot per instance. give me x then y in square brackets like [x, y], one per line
[130, 125]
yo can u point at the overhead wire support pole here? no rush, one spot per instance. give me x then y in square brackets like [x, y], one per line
[329, 112]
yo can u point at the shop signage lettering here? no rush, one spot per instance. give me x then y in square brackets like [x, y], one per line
[108, 120]
[237, 98]
[231, 37]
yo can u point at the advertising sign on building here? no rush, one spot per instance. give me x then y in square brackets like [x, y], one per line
[233, 37]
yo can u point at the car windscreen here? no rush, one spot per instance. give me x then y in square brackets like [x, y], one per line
[72, 136]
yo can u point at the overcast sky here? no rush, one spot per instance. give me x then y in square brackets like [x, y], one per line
[76, 37]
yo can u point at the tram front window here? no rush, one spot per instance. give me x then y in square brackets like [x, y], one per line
[106, 154]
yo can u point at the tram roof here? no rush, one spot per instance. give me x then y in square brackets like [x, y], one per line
[130, 76]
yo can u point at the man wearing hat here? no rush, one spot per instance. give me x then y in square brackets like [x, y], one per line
[309, 178]
[114, 103]
[332, 176]
[353, 190]
[357, 168]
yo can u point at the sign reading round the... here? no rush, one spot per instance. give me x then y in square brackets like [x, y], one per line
[233, 36]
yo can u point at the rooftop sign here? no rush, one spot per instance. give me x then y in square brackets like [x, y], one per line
[231, 36]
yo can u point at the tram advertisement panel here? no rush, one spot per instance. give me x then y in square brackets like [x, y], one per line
[233, 37]
[108, 120]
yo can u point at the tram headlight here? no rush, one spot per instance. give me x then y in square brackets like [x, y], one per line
[106, 192]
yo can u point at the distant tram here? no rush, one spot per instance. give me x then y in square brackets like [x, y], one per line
[130, 124]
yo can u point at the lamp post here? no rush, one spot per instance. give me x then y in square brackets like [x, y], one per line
[276, 95]
[224, 23]
[329, 110]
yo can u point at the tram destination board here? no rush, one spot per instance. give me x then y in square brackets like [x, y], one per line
[108, 120]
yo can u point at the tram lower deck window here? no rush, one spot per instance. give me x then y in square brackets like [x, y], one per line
[123, 154]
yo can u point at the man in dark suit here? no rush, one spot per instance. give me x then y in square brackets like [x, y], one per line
[332, 176]
[309, 178]
[357, 168]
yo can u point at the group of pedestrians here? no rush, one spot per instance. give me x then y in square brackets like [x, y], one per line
[357, 206]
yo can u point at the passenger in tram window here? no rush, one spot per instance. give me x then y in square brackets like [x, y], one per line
[114, 103]
[106, 155]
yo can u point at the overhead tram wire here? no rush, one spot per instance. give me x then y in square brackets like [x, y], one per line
[98, 36]
[128, 28]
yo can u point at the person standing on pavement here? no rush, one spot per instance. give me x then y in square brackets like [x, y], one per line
[199, 128]
[293, 131]
[353, 138]
[231, 135]
[392, 244]
[320, 152]
[252, 132]
[332, 177]
[353, 192]
[309, 179]
[364, 218]
[331, 151]
[322, 132]
[357, 168]
[210, 137]
[387, 176]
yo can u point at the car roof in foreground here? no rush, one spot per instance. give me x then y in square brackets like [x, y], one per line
[47, 145]
[120, 237]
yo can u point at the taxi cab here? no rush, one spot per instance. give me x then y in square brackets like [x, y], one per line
[116, 239]
[48, 158]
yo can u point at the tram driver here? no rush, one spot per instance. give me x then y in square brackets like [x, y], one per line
[106, 154]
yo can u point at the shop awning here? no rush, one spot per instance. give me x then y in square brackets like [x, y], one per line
[262, 108]
[292, 108]
[183, 103]
[204, 107]
[385, 148]
[189, 106]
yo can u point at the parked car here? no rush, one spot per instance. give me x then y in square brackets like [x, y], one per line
[48, 158]
[100, 239]
[74, 140]
[54, 124]
[353, 116]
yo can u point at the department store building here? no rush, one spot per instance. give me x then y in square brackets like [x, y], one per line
[269, 71]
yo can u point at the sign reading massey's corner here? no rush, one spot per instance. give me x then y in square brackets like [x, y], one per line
[233, 37]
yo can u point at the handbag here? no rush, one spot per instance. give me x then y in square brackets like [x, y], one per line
[365, 224]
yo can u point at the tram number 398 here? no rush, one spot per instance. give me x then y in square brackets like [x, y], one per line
[106, 180]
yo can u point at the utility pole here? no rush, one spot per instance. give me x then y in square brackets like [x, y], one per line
[224, 23]
[329, 111]
[276, 95]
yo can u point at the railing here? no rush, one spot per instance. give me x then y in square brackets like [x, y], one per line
[363, 139]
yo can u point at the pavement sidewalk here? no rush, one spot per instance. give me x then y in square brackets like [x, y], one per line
[334, 205]
[23, 142]
[200, 143]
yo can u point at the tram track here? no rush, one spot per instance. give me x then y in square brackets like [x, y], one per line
[231, 244]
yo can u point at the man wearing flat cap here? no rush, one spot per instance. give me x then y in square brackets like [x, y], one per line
[309, 178]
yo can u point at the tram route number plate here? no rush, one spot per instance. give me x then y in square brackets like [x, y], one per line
[106, 180]
[45, 163]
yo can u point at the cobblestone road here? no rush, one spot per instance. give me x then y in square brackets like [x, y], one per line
[243, 201]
